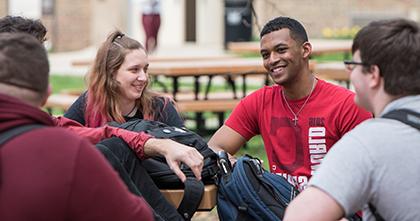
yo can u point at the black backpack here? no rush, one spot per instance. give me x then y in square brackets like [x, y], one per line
[10, 134]
[163, 176]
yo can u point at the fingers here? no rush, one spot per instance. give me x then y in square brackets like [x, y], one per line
[232, 160]
[194, 160]
[177, 153]
[175, 167]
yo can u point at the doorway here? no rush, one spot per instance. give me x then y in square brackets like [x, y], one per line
[190, 20]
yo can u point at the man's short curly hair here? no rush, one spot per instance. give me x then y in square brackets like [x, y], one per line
[13, 24]
[297, 31]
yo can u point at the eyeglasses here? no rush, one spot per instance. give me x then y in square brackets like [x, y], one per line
[350, 65]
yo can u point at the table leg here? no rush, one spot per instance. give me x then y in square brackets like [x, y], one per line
[232, 84]
[221, 118]
[196, 86]
[200, 123]
[267, 79]
[160, 83]
[208, 87]
[244, 85]
[175, 89]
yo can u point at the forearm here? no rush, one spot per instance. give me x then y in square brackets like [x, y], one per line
[136, 140]
[313, 204]
[227, 140]
[155, 147]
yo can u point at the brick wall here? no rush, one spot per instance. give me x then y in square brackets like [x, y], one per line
[107, 16]
[3, 8]
[69, 26]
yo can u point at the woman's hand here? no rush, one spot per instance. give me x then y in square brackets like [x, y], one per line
[175, 153]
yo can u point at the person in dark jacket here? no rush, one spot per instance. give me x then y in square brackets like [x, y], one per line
[126, 159]
[49, 173]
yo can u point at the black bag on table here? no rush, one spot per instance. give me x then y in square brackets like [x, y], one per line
[163, 176]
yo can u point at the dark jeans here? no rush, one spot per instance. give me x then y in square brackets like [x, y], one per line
[129, 167]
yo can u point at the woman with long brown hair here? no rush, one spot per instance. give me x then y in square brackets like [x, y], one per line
[118, 88]
[118, 91]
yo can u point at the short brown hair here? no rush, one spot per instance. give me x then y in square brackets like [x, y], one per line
[394, 46]
[26, 25]
[23, 62]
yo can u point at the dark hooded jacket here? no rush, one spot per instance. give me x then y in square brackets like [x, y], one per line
[50, 173]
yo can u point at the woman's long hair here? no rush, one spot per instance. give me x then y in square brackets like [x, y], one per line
[103, 89]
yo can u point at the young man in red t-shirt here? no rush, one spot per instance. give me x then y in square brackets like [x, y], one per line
[300, 117]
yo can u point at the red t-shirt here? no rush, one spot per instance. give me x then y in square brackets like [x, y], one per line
[296, 151]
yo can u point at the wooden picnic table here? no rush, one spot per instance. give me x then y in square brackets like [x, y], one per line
[319, 46]
[167, 58]
[210, 68]
[333, 71]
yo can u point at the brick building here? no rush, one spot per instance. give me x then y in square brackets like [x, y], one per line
[76, 24]
[3, 7]
[68, 24]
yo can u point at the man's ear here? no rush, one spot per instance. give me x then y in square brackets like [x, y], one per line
[307, 49]
[45, 98]
[375, 76]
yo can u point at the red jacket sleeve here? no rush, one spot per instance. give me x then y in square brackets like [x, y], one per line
[135, 140]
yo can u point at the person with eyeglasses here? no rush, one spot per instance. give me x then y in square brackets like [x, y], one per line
[374, 167]
[300, 117]
[350, 65]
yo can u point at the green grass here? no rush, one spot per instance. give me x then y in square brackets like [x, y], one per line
[62, 83]
[255, 148]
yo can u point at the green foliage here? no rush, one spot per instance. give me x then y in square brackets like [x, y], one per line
[340, 33]
[339, 56]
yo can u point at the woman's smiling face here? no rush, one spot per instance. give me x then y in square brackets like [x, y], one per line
[132, 75]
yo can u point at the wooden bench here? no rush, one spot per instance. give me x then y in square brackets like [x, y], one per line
[215, 105]
[59, 101]
[207, 202]
[153, 59]
[64, 101]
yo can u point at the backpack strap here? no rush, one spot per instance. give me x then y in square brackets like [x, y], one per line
[9, 134]
[375, 213]
[405, 116]
[193, 192]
